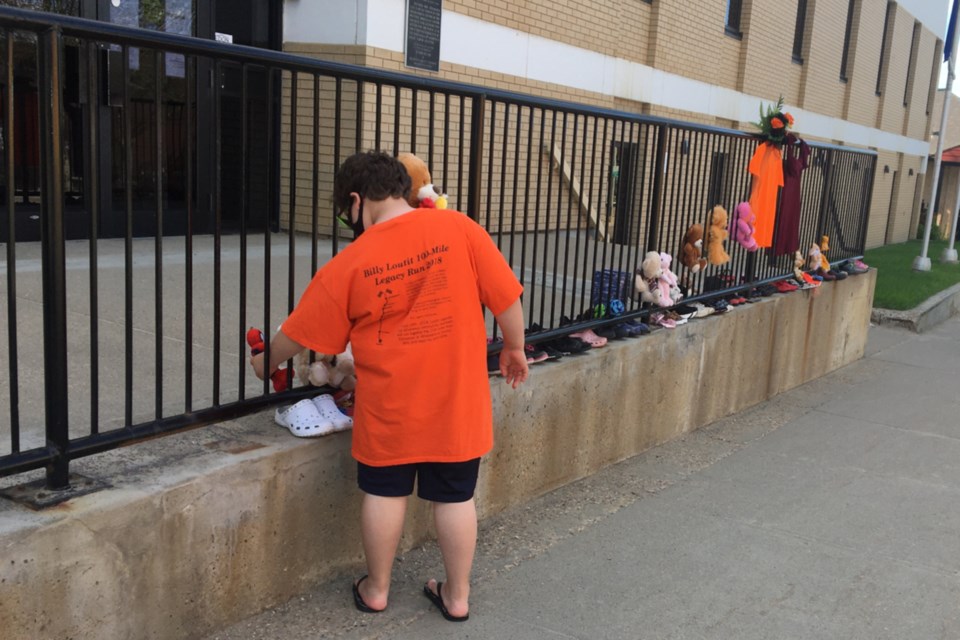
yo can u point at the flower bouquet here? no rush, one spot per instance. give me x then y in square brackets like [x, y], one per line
[774, 123]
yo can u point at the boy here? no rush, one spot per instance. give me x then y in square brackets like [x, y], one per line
[407, 295]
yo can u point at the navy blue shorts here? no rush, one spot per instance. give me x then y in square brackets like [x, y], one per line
[436, 481]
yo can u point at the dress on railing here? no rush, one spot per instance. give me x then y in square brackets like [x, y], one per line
[766, 166]
[788, 222]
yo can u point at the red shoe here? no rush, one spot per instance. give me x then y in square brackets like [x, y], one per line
[784, 287]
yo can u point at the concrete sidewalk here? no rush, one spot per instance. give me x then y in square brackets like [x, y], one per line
[830, 511]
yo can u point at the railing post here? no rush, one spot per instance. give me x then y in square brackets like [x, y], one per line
[475, 170]
[656, 198]
[824, 194]
[867, 204]
[53, 258]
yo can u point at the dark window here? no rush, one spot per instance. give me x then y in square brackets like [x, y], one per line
[846, 42]
[732, 19]
[798, 31]
[881, 75]
[911, 63]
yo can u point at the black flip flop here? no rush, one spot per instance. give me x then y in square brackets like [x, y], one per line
[437, 601]
[358, 599]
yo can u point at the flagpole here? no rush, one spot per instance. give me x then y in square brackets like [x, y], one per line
[922, 262]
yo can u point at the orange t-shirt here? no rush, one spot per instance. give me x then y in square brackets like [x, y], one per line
[766, 165]
[407, 295]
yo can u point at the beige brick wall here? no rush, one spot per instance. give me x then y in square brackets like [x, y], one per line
[861, 103]
[917, 117]
[766, 58]
[893, 78]
[893, 200]
[612, 28]
[820, 85]
[689, 40]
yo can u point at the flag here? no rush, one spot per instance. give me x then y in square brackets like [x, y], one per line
[951, 28]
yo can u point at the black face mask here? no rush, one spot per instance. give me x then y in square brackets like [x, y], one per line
[357, 226]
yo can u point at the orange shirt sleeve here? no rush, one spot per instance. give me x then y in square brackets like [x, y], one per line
[319, 321]
[497, 285]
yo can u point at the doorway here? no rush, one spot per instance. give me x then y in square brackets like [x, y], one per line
[146, 166]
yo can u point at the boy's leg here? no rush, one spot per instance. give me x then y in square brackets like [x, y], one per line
[381, 524]
[456, 524]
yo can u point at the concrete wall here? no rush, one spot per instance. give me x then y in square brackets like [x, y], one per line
[203, 529]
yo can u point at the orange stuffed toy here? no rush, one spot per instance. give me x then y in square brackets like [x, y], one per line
[716, 236]
[423, 194]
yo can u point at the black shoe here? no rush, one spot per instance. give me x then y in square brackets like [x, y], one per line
[613, 332]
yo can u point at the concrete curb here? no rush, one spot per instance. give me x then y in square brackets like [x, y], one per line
[924, 316]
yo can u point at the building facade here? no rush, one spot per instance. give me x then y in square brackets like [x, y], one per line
[859, 73]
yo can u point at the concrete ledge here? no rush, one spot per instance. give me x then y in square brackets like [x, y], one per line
[925, 316]
[205, 528]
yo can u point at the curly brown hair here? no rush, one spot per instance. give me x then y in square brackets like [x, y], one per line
[374, 175]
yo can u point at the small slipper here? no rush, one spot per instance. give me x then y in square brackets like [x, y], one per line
[702, 310]
[328, 408]
[588, 336]
[662, 320]
[568, 345]
[535, 354]
[437, 601]
[358, 599]
[637, 326]
[304, 420]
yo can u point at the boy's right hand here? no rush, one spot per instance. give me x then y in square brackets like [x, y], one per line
[513, 366]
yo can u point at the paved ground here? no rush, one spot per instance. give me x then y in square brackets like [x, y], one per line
[827, 512]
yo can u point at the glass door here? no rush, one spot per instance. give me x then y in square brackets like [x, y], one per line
[24, 135]
[153, 86]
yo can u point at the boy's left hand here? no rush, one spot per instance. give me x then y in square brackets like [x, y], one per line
[513, 366]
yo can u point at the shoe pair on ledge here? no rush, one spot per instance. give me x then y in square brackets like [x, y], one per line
[313, 417]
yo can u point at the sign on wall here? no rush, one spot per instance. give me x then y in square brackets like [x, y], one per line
[423, 34]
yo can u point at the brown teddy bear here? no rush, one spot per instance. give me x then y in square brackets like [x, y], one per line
[692, 249]
[716, 236]
[422, 192]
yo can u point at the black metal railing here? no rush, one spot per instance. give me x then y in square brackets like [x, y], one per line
[179, 193]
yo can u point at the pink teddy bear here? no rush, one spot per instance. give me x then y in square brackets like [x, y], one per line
[667, 282]
[744, 219]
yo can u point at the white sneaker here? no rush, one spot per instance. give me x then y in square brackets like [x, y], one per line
[327, 408]
[304, 420]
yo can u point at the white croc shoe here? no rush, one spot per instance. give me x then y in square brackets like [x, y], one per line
[304, 420]
[327, 408]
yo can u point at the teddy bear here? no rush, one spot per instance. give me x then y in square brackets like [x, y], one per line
[326, 370]
[804, 279]
[646, 279]
[798, 266]
[814, 258]
[824, 247]
[691, 251]
[743, 226]
[670, 293]
[423, 194]
[716, 236]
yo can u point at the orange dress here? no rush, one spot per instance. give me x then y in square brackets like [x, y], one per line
[407, 295]
[766, 166]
